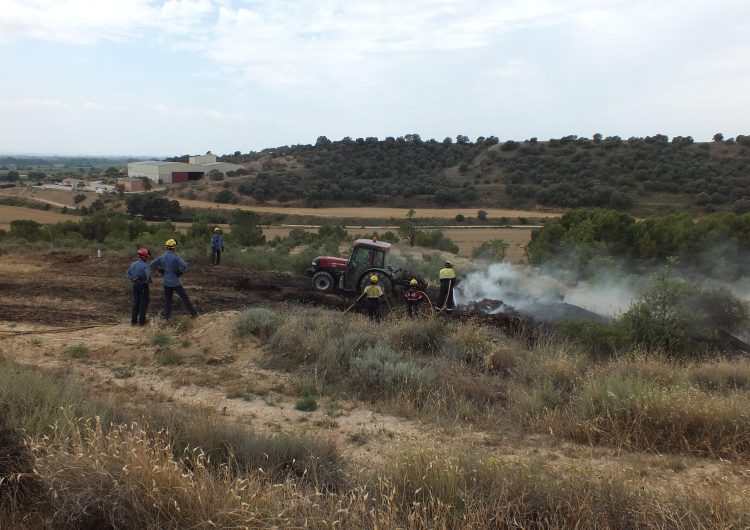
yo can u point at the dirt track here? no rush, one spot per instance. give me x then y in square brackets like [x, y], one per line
[70, 287]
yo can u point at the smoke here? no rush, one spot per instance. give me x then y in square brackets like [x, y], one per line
[608, 293]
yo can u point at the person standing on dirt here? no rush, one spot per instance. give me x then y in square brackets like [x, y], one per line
[373, 292]
[139, 273]
[217, 246]
[172, 266]
[447, 283]
[414, 298]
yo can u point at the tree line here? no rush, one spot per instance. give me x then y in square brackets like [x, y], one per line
[583, 240]
[566, 172]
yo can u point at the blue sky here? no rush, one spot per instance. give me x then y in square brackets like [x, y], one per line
[142, 77]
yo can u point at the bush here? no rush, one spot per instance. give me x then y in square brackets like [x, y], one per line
[598, 339]
[79, 351]
[257, 321]
[380, 370]
[306, 404]
[424, 337]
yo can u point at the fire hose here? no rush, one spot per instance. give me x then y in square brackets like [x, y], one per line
[355, 303]
[447, 294]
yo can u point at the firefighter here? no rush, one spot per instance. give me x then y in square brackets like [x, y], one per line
[414, 298]
[373, 292]
[447, 282]
[217, 246]
[172, 266]
[139, 273]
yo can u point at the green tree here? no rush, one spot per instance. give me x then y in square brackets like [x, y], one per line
[245, 228]
[215, 175]
[26, 229]
[494, 250]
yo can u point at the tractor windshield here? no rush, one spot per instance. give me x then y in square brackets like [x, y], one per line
[367, 257]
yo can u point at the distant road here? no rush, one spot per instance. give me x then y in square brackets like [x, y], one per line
[366, 212]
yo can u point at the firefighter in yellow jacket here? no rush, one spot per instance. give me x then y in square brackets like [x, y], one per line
[374, 293]
[447, 282]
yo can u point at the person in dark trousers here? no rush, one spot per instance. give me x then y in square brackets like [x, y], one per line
[172, 266]
[373, 292]
[139, 273]
[447, 282]
[414, 298]
[217, 246]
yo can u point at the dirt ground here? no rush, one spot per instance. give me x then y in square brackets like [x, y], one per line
[13, 213]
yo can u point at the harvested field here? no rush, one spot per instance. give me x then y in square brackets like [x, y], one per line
[13, 213]
[372, 212]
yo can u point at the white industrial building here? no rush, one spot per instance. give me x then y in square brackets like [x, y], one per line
[171, 172]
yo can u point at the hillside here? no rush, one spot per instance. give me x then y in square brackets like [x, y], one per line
[643, 175]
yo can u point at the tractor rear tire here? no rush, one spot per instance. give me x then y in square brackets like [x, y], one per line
[383, 281]
[323, 281]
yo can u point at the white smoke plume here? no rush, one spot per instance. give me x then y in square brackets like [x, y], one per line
[521, 287]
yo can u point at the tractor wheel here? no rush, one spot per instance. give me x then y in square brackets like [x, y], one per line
[323, 281]
[383, 281]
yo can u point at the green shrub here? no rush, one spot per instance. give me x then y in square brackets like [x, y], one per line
[162, 340]
[600, 340]
[79, 351]
[168, 358]
[258, 321]
[381, 370]
[306, 404]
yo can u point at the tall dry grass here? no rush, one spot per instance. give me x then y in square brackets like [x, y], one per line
[128, 477]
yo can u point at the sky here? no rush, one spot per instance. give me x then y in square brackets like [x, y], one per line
[166, 78]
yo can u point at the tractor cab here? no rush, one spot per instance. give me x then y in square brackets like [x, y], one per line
[367, 254]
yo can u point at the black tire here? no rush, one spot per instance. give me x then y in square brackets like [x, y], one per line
[383, 281]
[323, 281]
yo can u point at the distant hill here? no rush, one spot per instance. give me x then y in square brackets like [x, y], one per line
[646, 175]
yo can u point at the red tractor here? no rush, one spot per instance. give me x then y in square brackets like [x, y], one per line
[368, 257]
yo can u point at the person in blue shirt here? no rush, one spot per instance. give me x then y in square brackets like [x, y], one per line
[217, 246]
[172, 266]
[139, 274]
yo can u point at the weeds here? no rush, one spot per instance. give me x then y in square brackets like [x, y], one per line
[168, 358]
[122, 372]
[77, 352]
[162, 340]
[257, 321]
[306, 404]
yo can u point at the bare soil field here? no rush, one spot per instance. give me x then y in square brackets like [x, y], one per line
[13, 213]
[372, 212]
[467, 239]
[41, 295]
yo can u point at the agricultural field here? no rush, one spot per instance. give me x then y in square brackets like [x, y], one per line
[279, 407]
[374, 212]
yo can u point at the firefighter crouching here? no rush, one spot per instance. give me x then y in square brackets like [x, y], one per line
[414, 298]
[447, 282]
[373, 292]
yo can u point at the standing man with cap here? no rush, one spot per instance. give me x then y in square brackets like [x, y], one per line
[172, 266]
[217, 246]
[139, 274]
[447, 282]
[373, 292]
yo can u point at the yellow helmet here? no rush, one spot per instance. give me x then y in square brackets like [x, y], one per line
[448, 264]
[373, 279]
[413, 282]
[171, 243]
[217, 229]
